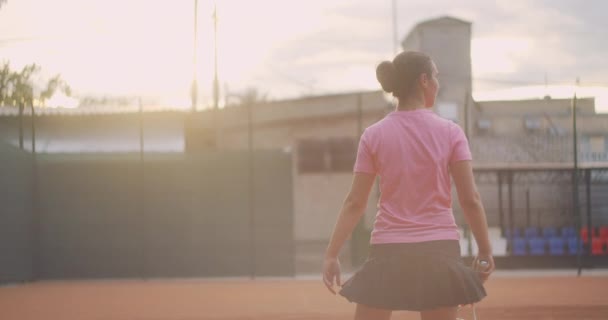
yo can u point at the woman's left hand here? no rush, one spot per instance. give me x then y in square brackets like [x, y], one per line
[331, 273]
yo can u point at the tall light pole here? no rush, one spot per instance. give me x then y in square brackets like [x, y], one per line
[395, 32]
[194, 88]
[575, 196]
[216, 85]
[36, 223]
[252, 203]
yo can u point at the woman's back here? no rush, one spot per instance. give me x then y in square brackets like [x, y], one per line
[414, 260]
[411, 152]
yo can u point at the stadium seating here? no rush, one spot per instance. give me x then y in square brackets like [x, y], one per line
[519, 247]
[597, 246]
[568, 232]
[537, 246]
[531, 232]
[555, 241]
[515, 233]
[557, 246]
[585, 234]
[574, 245]
[549, 232]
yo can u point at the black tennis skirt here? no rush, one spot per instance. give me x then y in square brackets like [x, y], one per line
[414, 276]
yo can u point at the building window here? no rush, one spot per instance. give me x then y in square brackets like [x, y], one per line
[484, 126]
[597, 144]
[312, 156]
[327, 155]
[532, 123]
[342, 154]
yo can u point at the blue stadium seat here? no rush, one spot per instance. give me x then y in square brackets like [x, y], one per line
[531, 232]
[519, 247]
[572, 245]
[537, 246]
[516, 233]
[557, 246]
[568, 232]
[549, 232]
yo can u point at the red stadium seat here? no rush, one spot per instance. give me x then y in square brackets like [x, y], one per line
[597, 246]
[585, 234]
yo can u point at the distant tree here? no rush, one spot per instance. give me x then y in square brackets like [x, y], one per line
[54, 84]
[5, 82]
[17, 90]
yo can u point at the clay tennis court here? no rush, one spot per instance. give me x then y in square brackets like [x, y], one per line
[555, 297]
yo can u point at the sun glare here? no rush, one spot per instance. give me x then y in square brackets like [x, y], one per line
[146, 48]
[60, 100]
[249, 31]
[493, 55]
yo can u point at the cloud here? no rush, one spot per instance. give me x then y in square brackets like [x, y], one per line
[290, 48]
[522, 41]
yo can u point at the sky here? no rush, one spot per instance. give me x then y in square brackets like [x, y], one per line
[286, 48]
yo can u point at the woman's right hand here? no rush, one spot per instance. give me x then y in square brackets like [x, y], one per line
[484, 272]
[331, 273]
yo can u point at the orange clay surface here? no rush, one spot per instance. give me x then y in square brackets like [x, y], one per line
[539, 298]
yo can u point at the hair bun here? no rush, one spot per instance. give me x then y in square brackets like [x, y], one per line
[387, 76]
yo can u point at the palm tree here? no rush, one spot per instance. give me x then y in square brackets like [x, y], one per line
[17, 90]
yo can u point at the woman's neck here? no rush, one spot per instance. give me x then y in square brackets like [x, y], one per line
[410, 105]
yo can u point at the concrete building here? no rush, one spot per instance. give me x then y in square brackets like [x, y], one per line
[321, 133]
[541, 131]
[448, 41]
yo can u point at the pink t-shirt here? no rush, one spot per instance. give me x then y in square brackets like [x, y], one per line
[411, 151]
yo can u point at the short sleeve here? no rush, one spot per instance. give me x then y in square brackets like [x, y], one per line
[365, 158]
[460, 145]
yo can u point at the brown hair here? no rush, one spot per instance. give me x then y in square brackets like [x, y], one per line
[399, 76]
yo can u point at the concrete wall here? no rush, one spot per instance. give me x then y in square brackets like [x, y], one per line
[16, 221]
[109, 216]
[182, 216]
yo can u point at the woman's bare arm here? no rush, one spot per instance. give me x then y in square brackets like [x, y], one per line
[474, 213]
[351, 212]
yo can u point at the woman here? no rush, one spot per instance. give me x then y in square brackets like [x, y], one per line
[414, 262]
